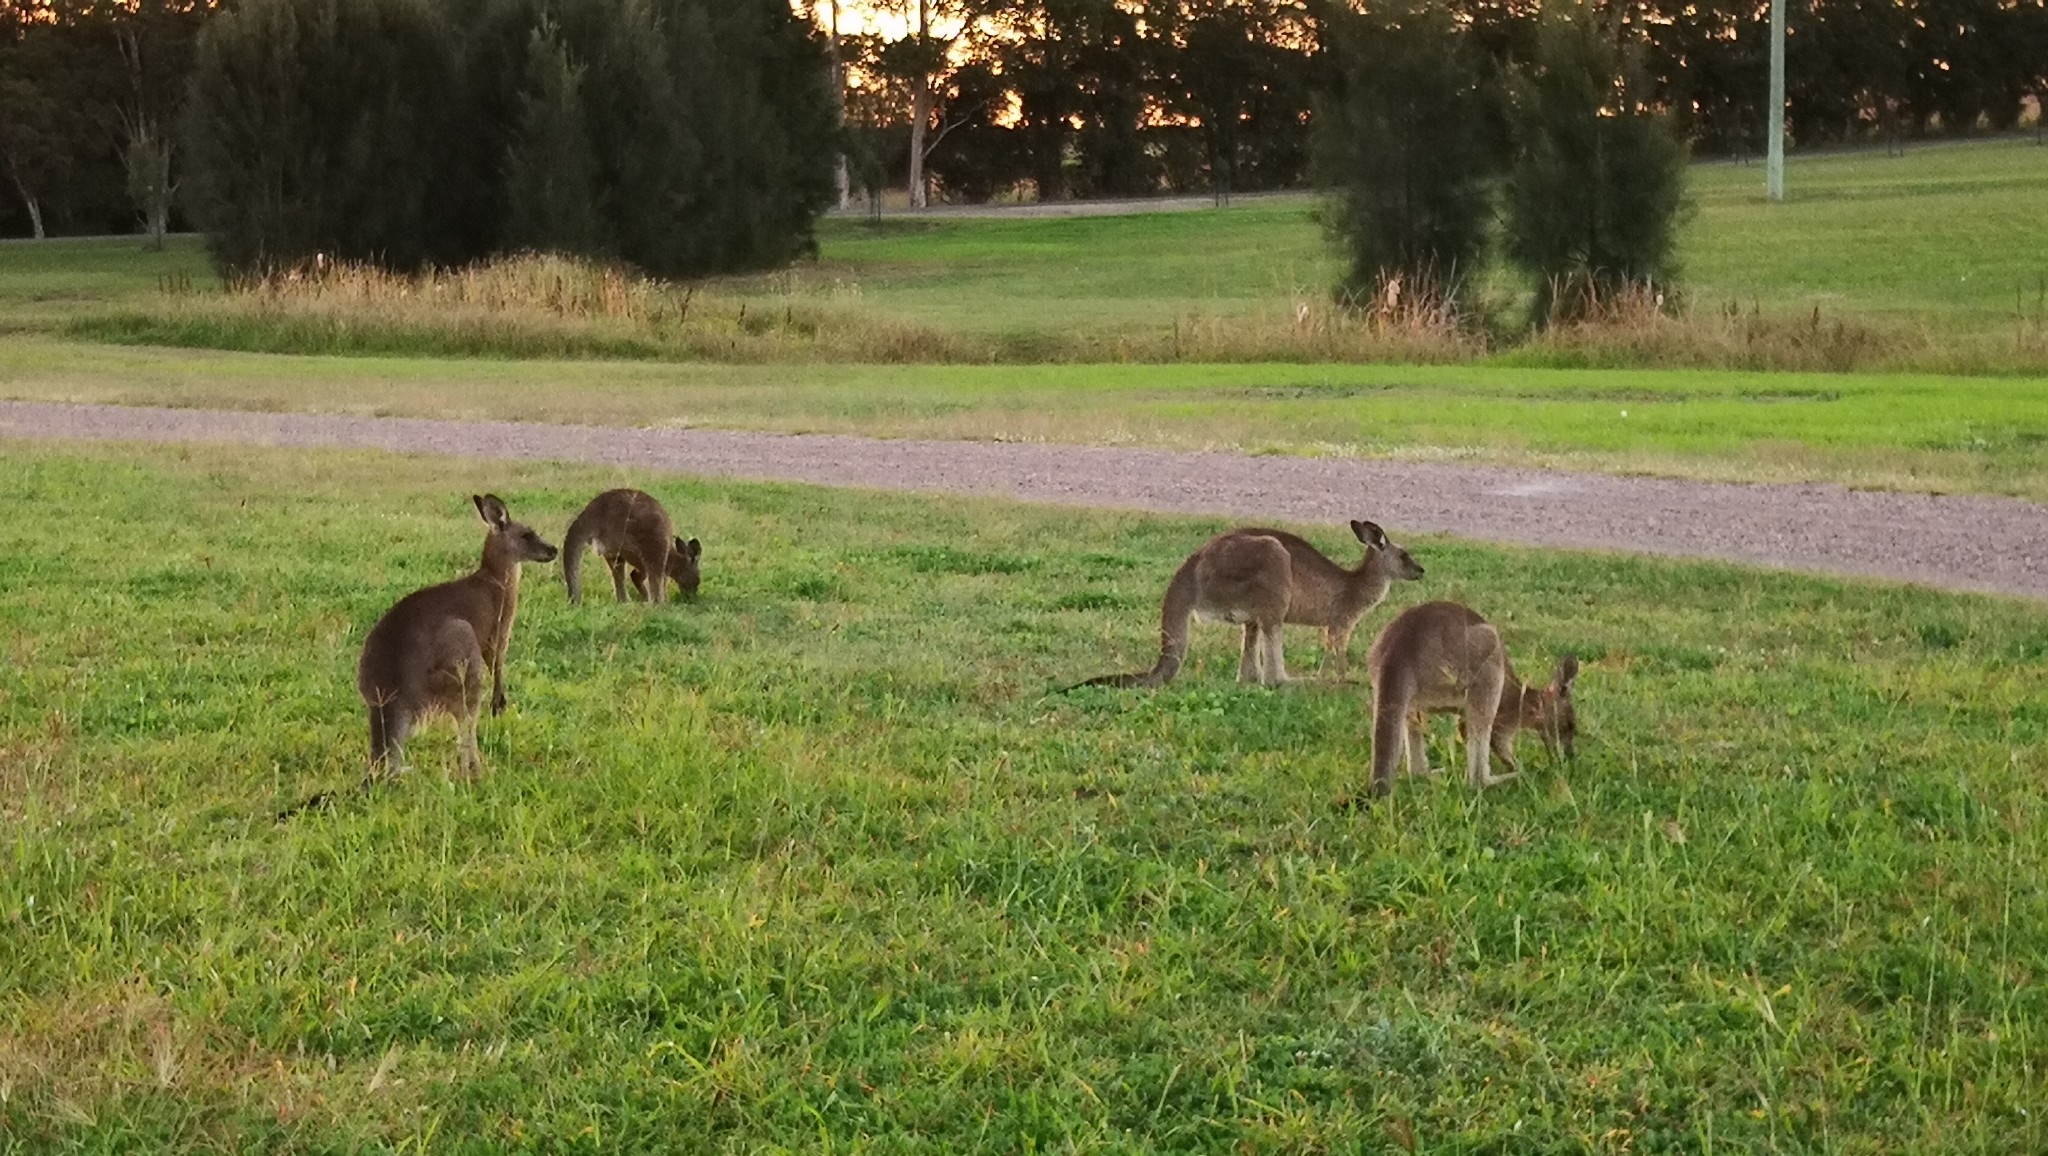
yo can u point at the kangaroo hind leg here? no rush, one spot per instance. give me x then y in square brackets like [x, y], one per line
[1418, 746]
[1482, 702]
[1275, 658]
[617, 565]
[1249, 662]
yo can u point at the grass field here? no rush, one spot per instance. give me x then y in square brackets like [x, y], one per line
[1915, 262]
[1904, 432]
[815, 863]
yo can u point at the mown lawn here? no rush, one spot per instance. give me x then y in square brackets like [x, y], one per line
[817, 863]
[1899, 431]
[1938, 241]
[1939, 237]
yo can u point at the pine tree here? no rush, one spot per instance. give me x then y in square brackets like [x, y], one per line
[551, 177]
[1599, 176]
[328, 126]
[1405, 145]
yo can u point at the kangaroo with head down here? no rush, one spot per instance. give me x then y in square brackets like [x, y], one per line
[430, 651]
[1264, 579]
[632, 533]
[1442, 658]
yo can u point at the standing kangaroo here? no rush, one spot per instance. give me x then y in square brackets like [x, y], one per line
[429, 652]
[1442, 658]
[1264, 578]
[630, 529]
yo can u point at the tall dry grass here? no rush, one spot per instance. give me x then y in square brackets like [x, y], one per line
[530, 305]
[548, 306]
[1649, 326]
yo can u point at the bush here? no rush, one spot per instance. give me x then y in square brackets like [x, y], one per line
[1404, 143]
[685, 137]
[1599, 174]
[322, 126]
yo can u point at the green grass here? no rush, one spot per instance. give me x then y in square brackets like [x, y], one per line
[1914, 262]
[1896, 431]
[814, 864]
[1047, 277]
[1938, 237]
[1944, 238]
[43, 284]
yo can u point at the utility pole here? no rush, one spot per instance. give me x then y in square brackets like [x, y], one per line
[1774, 116]
[842, 179]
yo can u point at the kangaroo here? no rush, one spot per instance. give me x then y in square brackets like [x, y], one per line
[429, 652]
[1442, 658]
[1264, 578]
[631, 530]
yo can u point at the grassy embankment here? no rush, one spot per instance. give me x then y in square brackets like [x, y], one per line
[813, 863]
[1925, 251]
[1918, 262]
[1909, 432]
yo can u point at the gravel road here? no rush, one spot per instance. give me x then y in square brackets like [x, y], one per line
[1995, 545]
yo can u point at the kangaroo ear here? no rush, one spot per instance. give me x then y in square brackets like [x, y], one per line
[1567, 673]
[694, 548]
[1370, 534]
[492, 510]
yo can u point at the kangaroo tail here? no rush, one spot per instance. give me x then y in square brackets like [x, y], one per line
[1389, 741]
[380, 735]
[575, 544]
[322, 800]
[380, 759]
[1174, 615]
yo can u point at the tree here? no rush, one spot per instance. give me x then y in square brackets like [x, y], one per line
[1405, 144]
[1599, 176]
[327, 126]
[47, 81]
[683, 136]
[551, 177]
[154, 40]
[918, 67]
[1244, 74]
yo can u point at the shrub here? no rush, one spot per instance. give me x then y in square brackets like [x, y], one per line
[1404, 145]
[685, 137]
[1599, 175]
[325, 126]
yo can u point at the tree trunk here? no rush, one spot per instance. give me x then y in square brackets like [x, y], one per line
[920, 110]
[159, 224]
[35, 206]
[842, 176]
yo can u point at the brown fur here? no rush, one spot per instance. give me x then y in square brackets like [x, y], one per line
[429, 652]
[631, 532]
[1442, 658]
[1263, 579]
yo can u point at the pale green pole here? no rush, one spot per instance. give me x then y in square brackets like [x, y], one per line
[1774, 116]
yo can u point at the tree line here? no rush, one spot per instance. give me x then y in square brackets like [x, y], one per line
[1427, 140]
[690, 136]
[1077, 98]
[684, 137]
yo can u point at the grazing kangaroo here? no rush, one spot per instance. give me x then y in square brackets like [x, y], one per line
[1442, 658]
[1264, 578]
[630, 529]
[430, 651]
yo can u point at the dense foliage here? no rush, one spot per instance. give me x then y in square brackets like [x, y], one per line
[1598, 177]
[677, 135]
[1414, 133]
[1408, 146]
[1057, 97]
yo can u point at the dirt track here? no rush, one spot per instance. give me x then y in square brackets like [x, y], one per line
[1997, 545]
